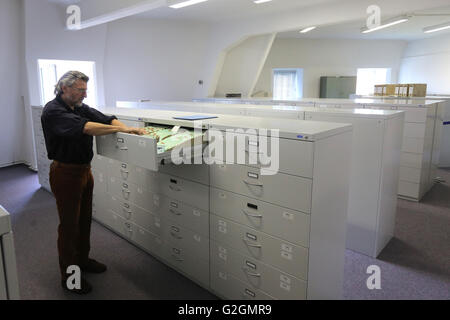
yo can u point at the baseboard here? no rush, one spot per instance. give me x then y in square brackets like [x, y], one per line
[4, 165]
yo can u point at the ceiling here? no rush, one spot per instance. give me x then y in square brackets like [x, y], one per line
[224, 10]
[210, 11]
[409, 31]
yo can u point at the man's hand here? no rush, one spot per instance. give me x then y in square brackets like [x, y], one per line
[137, 131]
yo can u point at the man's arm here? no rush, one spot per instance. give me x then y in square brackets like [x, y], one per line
[98, 129]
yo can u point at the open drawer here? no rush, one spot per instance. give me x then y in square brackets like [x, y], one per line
[149, 151]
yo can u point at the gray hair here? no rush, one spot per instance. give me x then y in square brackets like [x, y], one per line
[69, 79]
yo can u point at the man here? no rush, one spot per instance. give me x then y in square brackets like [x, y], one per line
[69, 127]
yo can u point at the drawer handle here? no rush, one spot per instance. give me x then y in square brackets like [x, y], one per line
[247, 271]
[175, 212]
[177, 259]
[253, 245]
[253, 184]
[253, 152]
[176, 236]
[124, 173]
[252, 215]
[174, 189]
[126, 194]
[127, 213]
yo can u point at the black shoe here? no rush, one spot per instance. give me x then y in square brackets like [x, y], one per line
[85, 287]
[93, 266]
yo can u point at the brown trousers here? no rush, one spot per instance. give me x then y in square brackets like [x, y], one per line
[72, 186]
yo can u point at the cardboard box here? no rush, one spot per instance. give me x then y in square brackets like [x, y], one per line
[417, 90]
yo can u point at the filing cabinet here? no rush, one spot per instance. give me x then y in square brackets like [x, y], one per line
[9, 283]
[281, 232]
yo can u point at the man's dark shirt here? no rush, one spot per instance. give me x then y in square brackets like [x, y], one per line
[63, 131]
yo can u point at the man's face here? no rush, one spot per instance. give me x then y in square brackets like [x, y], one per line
[76, 93]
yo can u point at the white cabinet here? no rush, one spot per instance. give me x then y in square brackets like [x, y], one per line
[43, 162]
[9, 283]
[284, 231]
[419, 147]
[374, 176]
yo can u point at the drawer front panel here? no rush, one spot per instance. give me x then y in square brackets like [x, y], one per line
[413, 145]
[258, 275]
[412, 160]
[195, 172]
[408, 189]
[130, 173]
[410, 174]
[280, 189]
[287, 224]
[196, 267]
[250, 151]
[138, 150]
[185, 215]
[414, 130]
[148, 241]
[284, 255]
[187, 240]
[136, 215]
[231, 288]
[189, 192]
[129, 192]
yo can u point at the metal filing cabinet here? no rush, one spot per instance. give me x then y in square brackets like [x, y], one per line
[417, 170]
[9, 283]
[375, 161]
[177, 213]
[263, 226]
[43, 163]
[162, 208]
[377, 138]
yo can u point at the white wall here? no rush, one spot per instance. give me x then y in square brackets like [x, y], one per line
[47, 38]
[329, 57]
[228, 33]
[428, 61]
[11, 106]
[243, 65]
[154, 59]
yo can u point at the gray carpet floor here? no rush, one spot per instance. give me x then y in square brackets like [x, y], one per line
[414, 265]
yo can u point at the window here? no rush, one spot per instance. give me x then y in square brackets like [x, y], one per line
[287, 84]
[369, 77]
[50, 71]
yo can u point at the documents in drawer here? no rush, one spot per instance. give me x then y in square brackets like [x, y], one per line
[258, 275]
[284, 255]
[288, 224]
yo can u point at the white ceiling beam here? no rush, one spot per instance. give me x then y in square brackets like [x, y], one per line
[138, 8]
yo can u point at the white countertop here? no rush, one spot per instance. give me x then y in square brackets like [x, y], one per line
[289, 129]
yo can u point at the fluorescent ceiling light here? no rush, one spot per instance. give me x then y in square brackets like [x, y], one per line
[260, 1]
[436, 28]
[181, 4]
[386, 24]
[307, 29]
